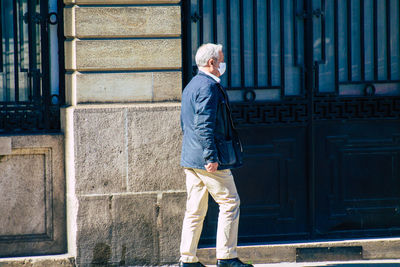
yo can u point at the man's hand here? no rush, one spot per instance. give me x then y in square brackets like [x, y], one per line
[211, 167]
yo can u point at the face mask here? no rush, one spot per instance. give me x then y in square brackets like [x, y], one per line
[222, 68]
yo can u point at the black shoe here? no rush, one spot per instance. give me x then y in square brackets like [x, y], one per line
[191, 264]
[232, 263]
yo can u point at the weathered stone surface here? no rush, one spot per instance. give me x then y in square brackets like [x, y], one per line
[94, 230]
[172, 211]
[70, 54]
[167, 86]
[134, 232]
[385, 248]
[26, 207]
[254, 254]
[138, 21]
[100, 161]
[114, 2]
[114, 87]
[139, 54]
[46, 261]
[32, 190]
[69, 21]
[126, 87]
[154, 145]
[5, 145]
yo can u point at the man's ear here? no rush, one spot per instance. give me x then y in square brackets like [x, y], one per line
[210, 62]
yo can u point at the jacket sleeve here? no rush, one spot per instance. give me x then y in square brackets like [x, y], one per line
[206, 104]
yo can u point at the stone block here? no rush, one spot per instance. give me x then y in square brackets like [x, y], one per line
[94, 230]
[5, 146]
[138, 54]
[46, 261]
[70, 54]
[136, 21]
[116, 2]
[70, 88]
[100, 159]
[167, 86]
[32, 186]
[69, 21]
[172, 211]
[135, 238]
[114, 87]
[154, 145]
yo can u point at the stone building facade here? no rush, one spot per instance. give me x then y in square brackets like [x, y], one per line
[125, 194]
[106, 189]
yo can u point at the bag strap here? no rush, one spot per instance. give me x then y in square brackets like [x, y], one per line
[229, 111]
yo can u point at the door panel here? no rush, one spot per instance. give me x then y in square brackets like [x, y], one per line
[357, 179]
[272, 186]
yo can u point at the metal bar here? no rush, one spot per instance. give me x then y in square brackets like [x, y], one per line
[373, 81]
[375, 20]
[44, 39]
[349, 54]
[256, 88]
[16, 61]
[336, 32]
[1, 38]
[186, 42]
[295, 46]
[228, 42]
[310, 155]
[323, 32]
[60, 33]
[269, 61]
[388, 52]
[201, 35]
[255, 44]
[362, 39]
[241, 44]
[214, 7]
[282, 40]
[33, 71]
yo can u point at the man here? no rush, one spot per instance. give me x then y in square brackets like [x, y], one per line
[210, 149]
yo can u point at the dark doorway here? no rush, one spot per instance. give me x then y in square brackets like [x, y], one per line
[315, 91]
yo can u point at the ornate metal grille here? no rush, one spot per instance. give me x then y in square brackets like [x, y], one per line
[26, 101]
[298, 61]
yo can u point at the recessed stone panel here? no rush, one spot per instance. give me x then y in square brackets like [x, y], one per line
[138, 54]
[133, 21]
[32, 193]
[100, 159]
[154, 146]
[172, 211]
[22, 188]
[135, 239]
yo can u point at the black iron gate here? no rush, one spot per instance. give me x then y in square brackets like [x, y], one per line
[315, 91]
[26, 101]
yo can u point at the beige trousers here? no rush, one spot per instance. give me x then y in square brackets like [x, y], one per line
[221, 186]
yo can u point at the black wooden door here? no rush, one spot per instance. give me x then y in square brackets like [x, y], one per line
[314, 86]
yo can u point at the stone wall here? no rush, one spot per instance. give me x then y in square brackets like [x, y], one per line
[125, 189]
[32, 193]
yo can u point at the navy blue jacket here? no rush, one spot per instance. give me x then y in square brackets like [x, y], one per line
[205, 122]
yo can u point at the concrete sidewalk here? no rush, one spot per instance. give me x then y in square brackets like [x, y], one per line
[366, 263]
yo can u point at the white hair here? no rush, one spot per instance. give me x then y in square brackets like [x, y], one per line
[207, 52]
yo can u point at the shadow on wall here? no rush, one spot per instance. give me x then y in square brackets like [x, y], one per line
[101, 255]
